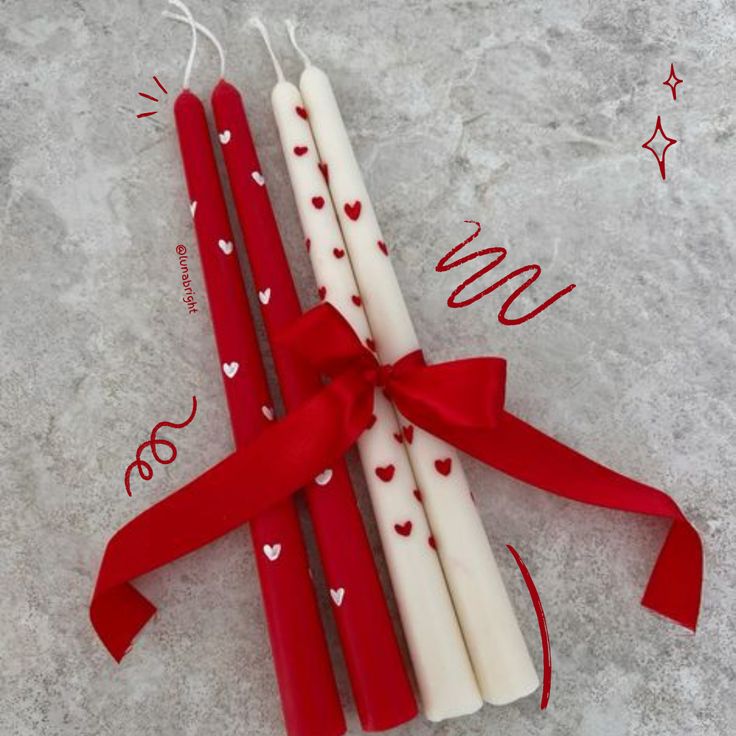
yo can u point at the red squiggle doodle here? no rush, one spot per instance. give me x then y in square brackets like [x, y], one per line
[546, 649]
[444, 264]
[144, 468]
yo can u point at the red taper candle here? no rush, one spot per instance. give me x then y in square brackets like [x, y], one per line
[380, 684]
[309, 697]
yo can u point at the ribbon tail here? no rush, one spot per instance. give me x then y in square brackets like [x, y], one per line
[523, 452]
[228, 495]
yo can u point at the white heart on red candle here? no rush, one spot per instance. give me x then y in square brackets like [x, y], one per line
[353, 210]
[225, 137]
[272, 551]
[267, 412]
[300, 150]
[337, 594]
[264, 297]
[193, 207]
[226, 246]
[318, 202]
[258, 178]
[230, 369]
[324, 477]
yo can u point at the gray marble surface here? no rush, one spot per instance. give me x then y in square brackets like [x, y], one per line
[528, 117]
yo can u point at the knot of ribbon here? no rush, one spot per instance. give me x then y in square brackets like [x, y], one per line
[461, 402]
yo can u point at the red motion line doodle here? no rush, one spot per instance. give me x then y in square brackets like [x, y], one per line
[444, 264]
[150, 97]
[144, 469]
[546, 649]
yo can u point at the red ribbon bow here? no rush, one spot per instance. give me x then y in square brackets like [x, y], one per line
[460, 401]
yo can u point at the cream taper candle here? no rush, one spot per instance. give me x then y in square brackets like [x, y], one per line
[444, 674]
[496, 645]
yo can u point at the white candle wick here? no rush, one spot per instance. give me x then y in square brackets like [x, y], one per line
[291, 28]
[190, 62]
[258, 24]
[205, 32]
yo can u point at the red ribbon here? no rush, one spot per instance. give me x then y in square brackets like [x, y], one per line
[459, 401]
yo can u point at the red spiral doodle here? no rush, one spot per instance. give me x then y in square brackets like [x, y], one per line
[444, 264]
[145, 470]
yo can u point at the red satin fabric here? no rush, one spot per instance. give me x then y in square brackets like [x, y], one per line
[380, 684]
[334, 418]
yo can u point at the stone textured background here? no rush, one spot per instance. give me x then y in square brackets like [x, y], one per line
[528, 118]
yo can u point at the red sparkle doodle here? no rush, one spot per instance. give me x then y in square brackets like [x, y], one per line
[658, 132]
[672, 81]
[152, 98]
[144, 469]
[444, 264]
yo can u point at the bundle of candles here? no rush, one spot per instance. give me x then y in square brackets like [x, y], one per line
[464, 643]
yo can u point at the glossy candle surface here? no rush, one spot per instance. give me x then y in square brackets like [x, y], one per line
[496, 645]
[309, 695]
[379, 681]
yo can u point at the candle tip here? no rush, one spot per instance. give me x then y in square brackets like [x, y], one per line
[190, 61]
[291, 28]
[257, 23]
[205, 32]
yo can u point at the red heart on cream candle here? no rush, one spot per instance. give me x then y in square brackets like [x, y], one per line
[322, 291]
[325, 171]
[301, 112]
[353, 210]
[300, 150]
[409, 433]
[403, 529]
[398, 437]
[308, 244]
[383, 247]
[443, 467]
[338, 252]
[418, 495]
[318, 202]
[431, 542]
[385, 473]
[355, 299]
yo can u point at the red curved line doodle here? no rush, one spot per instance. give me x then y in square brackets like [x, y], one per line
[144, 468]
[547, 651]
[444, 265]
